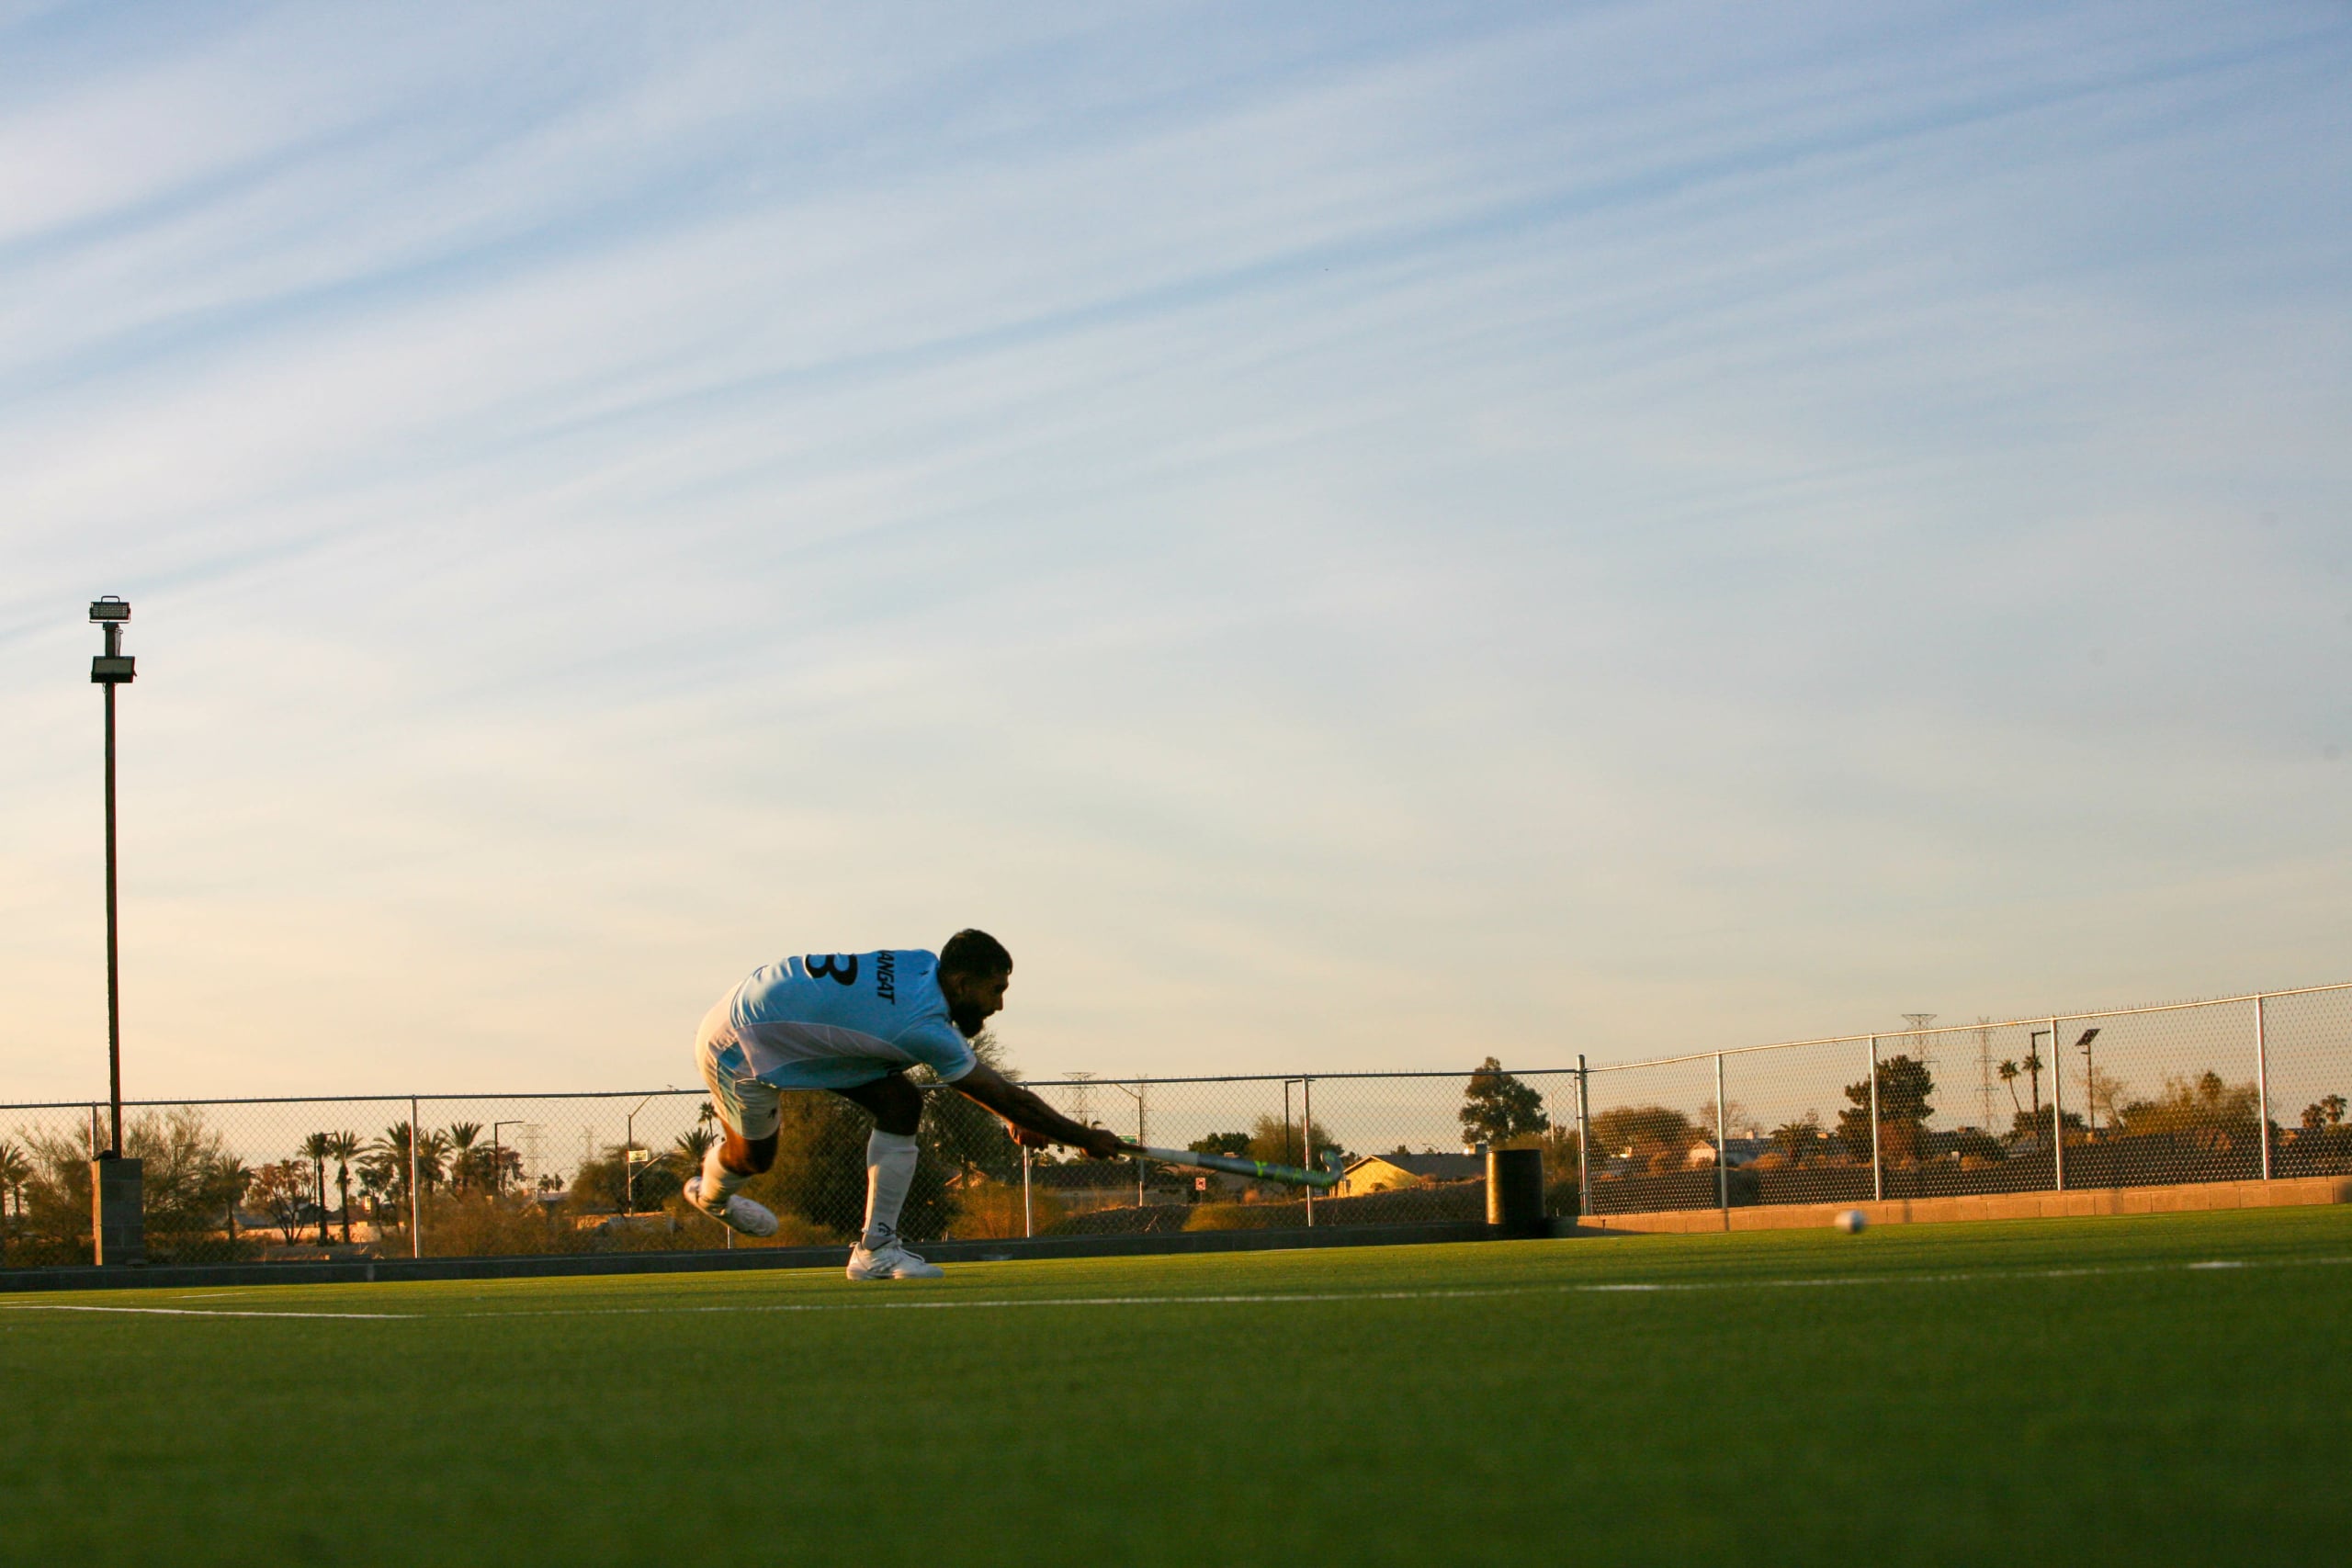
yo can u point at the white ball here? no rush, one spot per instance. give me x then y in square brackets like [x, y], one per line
[1851, 1220]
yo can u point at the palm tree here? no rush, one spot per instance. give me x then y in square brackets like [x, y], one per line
[385, 1164]
[228, 1178]
[15, 1169]
[342, 1149]
[314, 1149]
[688, 1151]
[432, 1158]
[461, 1141]
[2009, 1075]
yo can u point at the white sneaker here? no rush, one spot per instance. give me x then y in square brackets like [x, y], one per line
[890, 1261]
[741, 1213]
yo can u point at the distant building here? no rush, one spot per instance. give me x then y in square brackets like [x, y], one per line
[1382, 1173]
[1738, 1152]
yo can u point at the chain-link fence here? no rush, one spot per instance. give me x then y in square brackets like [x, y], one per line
[2248, 1087]
[2252, 1087]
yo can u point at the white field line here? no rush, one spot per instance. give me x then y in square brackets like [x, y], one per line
[1636, 1287]
[193, 1311]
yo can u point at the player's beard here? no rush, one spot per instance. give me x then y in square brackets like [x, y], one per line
[968, 1020]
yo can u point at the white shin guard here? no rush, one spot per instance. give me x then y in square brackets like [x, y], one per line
[889, 1171]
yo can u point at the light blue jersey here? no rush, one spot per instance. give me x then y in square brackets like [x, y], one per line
[837, 1019]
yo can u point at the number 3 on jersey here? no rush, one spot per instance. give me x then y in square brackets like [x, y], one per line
[840, 967]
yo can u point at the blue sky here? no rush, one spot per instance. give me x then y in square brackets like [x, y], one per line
[1350, 535]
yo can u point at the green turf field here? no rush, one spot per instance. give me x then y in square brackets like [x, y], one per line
[2172, 1388]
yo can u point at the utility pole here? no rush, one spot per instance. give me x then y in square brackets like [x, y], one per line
[118, 1226]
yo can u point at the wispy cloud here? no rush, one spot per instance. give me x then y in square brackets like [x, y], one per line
[1362, 538]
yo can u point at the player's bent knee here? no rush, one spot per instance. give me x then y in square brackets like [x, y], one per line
[898, 1108]
[749, 1157]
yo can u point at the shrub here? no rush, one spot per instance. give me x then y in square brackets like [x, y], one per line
[986, 1210]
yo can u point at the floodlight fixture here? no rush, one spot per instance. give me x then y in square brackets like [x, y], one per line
[113, 667]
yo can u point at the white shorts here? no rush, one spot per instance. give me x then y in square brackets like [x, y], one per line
[823, 1057]
[744, 1102]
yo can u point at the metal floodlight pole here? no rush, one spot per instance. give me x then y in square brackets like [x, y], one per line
[2262, 1085]
[1723, 1153]
[1307, 1139]
[1584, 1137]
[1878, 1167]
[2057, 1112]
[111, 669]
[2090, 1088]
[415, 1188]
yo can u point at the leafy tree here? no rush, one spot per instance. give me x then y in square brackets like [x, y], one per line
[1276, 1142]
[283, 1190]
[1233, 1145]
[2036, 1125]
[1497, 1107]
[1975, 1144]
[2324, 1113]
[2211, 1113]
[179, 1151]
[1643, 1132]
[1903, 1085]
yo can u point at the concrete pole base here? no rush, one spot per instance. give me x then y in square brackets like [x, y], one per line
[117, 1213]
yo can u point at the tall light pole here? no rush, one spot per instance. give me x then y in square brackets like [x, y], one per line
[2090, 1088]
[117, 1221]
[628, 1157]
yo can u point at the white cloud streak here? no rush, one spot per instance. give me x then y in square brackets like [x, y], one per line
[1366, 540]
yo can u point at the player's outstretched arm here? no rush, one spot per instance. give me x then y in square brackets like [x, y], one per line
[985, 1086]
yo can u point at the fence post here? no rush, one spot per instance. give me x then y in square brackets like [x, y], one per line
[2262, 1084]
[1584, 1138]
[1028, 1218]
[1723, 1170]
[415, 1194]
[1878, 1169]
[2057, 1110]
[1306, 1138]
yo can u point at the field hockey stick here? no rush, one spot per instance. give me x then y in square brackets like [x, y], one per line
[1258, 1169]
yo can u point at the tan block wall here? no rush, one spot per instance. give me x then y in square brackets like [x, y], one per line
[2002, 1206]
